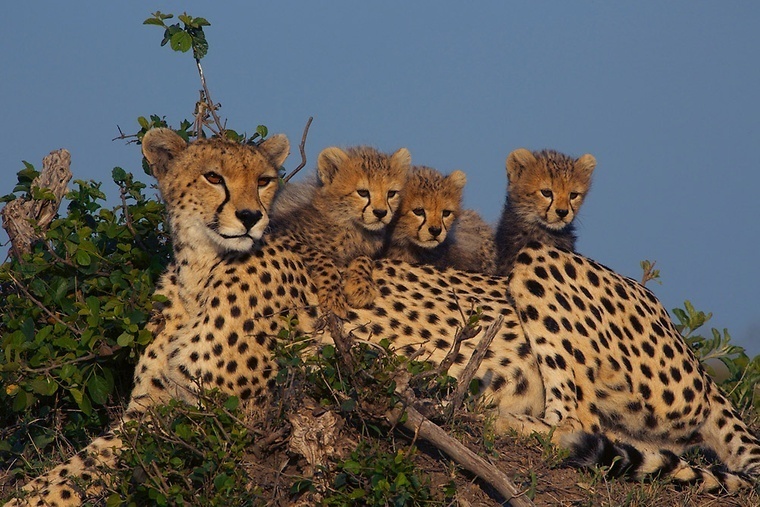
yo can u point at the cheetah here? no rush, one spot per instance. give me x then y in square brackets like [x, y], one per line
[431, 228]
[344, 216]
[546, 190]
[581, 352]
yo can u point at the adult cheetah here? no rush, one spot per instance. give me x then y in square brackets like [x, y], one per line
[581, 349]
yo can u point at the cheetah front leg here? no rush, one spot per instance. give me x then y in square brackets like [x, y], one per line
[359, 287]
[326, 277]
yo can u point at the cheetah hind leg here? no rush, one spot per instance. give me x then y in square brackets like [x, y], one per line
[81, 477]
[358, 285]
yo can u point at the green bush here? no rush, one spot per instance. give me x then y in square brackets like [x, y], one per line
[73, 315]
[185, 455]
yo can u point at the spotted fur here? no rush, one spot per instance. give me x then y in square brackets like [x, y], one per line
[344, 216]
[581, 352]
[546, 190]
[431, 227]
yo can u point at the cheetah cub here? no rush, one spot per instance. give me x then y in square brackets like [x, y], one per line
[431, 228]
[342, 217]
[546, 190]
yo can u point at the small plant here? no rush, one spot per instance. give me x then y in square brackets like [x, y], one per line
[183, 38]
[185, 455]
[743, 373]
[374, 477]
[649, 272]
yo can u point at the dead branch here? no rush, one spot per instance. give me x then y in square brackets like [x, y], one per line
[463, 382]
[209, 101]
[434, 434]
[302, 149]
[20, 216]
[463, 334]
[421, 426]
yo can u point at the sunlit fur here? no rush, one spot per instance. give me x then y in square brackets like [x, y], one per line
[546, 190]
[345, 214]
[240, 181]
[431, 227]
[431, 205]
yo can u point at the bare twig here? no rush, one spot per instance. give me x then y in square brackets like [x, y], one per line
[302, 149]
[463, 334]
[463, 382]
[264, 443]
[132, 137]
[211, 106]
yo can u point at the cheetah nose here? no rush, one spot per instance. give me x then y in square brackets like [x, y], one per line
[562, 213]
[434, 231]
[248, 217]
[380, 213]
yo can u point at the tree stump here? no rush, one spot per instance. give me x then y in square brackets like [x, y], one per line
[26, 220]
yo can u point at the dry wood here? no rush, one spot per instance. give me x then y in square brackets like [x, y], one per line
[463, 382]
[20, 216]
[302, 150]
[421, 426]
[426, 429]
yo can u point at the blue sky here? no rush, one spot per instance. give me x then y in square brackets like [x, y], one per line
[663, 94]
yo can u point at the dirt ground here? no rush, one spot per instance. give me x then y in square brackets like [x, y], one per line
[534, 468]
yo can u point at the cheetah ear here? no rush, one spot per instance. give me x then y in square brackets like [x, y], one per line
[585, 164]
[401, 161]
[458, 179]
[277, 149]
[329, 163]
[517, 162]
[160, 146]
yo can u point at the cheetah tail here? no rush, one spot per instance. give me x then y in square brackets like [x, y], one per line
[622, 459]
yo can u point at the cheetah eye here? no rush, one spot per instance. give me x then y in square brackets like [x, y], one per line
[446, 213]
[392, 193]
[546, 193]
[418, 211]
[213, 178]
[574, 195]
[363, 193]
[265, 180]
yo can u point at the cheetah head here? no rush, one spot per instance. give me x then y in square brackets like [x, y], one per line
[430, 206]
[363, 185]
[218, 192]
[548, 188]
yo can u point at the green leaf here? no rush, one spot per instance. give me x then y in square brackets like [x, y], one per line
[352, 467]
[43, 386]
[200, 45]
[232, 403]
[221, 481]
[181, 41]
[262, 130]
[348, 405]
[97, 387]
[125, 340]
[82, 258]
[82, 401]
[118, 174]
[154, 21]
